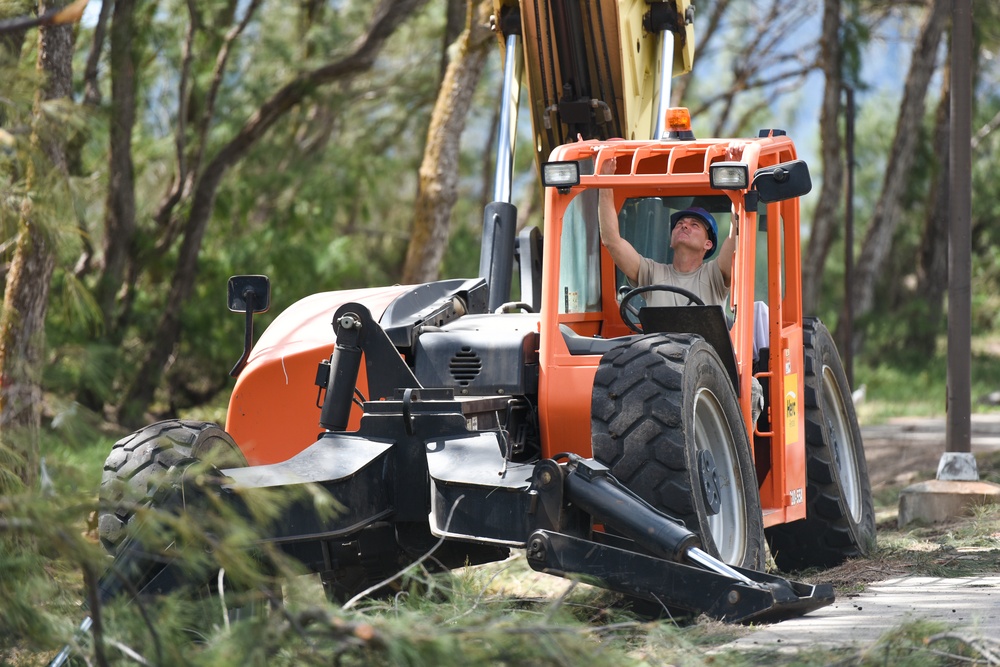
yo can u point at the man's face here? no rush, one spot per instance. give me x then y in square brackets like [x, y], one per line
[690, 232]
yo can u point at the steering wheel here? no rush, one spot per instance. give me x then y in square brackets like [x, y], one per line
[626, 308]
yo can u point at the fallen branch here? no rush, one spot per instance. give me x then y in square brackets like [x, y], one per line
[71, 13]
[988, 649]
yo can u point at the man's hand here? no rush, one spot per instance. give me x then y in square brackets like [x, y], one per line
[734, 151]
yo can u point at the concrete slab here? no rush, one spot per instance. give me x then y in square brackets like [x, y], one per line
[985, 430]
[969, 604]
[938, 501]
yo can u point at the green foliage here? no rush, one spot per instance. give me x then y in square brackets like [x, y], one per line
[462, 258]
[309, 206]
[916, 386]
[10, 461]
[50, 195]
[34, 531]
[900, 372]
[500, 613]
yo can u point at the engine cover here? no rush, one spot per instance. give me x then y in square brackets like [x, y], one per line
[480, 355]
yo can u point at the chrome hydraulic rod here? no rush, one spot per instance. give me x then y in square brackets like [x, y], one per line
[507, 132]
[590, 487]
[696, 555]
[666, 76]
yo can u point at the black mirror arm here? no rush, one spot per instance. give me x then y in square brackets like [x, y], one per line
[248, 298]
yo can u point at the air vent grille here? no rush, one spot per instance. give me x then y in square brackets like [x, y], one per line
[465, 366]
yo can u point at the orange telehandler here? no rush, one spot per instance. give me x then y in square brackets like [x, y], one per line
[604, 437]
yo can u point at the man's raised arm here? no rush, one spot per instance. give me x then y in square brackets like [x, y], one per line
[727, 250]
[625, 256]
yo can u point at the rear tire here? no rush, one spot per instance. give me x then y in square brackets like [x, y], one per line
[840, 514]
[665, 420]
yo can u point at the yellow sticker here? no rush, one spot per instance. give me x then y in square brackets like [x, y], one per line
[791, 408]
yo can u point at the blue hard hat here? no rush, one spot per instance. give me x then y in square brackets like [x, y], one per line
[704, 216]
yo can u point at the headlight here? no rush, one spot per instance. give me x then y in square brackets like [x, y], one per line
[562, 175]
[729, 176]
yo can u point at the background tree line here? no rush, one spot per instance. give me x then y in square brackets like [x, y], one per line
[158, 147]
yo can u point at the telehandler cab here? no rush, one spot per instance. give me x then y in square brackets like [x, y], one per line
[601, 437]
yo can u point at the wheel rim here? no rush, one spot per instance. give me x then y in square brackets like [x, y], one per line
[712, 434]
[842, 446]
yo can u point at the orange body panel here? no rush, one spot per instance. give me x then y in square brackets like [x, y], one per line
[272, 412]
[564, 386]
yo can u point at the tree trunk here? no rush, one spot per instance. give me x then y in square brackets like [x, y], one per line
[119, 218]
[456, 15]
[438, 184]
[91, 85]
[878, 240]
[22, 323]
[932, 272]
[386, 17]
[827, 216]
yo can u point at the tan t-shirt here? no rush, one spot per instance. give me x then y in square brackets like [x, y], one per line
[706, 281]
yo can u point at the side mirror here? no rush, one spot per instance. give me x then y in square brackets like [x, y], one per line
[248, 294]
[782, 181]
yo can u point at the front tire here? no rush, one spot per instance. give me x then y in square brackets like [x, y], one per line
[840, 514]
[143, 462]
[148, 469]
[665, 420]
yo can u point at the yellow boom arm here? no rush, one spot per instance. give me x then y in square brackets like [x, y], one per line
[596, 68]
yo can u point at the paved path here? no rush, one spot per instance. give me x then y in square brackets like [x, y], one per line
[970, 605]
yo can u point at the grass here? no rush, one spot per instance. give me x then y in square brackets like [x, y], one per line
[918, 388]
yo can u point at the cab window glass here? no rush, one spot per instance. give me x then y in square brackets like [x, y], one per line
[764, 212]
[580, 256]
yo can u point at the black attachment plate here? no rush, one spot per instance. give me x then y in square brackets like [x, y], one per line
[709, 322]
[678, 587]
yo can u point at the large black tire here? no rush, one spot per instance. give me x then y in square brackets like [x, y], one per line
[840, 515]
[666, 421]
[141, 463]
